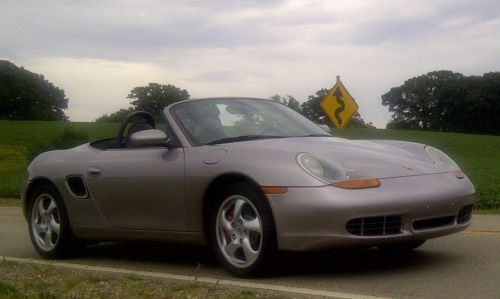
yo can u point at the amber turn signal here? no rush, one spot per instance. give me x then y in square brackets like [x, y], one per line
[274, 190]
[458, 174]
[357, 184]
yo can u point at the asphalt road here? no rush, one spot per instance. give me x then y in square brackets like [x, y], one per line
[464, 265]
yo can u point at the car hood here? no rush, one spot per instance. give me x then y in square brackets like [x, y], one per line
[375, 158]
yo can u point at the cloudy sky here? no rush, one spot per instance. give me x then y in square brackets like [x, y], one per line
[97, 51]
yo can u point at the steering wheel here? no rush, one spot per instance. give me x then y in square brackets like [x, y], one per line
[143, 114]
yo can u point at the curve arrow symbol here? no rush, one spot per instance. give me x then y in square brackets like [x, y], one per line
[338, 96]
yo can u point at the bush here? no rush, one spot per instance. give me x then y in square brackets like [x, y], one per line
[67, 139]
[402, 125]
[115, 117]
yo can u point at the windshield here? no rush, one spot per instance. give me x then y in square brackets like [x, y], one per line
[216, 121]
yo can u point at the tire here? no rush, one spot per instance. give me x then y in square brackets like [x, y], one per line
[48, 224]
[401, 247]
[246, 242]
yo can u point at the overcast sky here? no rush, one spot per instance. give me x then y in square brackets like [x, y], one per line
[97, 51]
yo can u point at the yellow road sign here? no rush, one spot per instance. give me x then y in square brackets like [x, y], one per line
[338, 105]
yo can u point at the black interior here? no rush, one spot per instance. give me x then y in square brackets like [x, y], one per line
[104, 144]
[139, 120]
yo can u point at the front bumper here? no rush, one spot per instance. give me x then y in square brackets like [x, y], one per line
[315, 218]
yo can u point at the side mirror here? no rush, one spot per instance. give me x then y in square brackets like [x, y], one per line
[148, 137]
[326, 128]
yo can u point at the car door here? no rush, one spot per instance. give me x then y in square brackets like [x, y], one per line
[139, 188]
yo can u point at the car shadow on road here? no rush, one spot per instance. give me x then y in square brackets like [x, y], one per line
[178, 254]
[354, 262]
[199, 260]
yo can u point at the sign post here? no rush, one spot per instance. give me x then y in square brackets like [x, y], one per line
[339, 105]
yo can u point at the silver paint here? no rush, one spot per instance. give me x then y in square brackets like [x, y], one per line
[157, 193]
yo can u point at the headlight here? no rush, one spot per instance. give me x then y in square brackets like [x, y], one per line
[441, 159]
[313, 165]
[330, 174]
[320, 169]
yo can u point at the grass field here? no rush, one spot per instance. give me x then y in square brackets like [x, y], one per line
[18, 281]
[478, 155]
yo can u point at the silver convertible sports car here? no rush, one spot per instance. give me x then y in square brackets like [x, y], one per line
[247, 176]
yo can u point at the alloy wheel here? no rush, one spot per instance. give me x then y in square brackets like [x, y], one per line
[239, 231]
[46, 222]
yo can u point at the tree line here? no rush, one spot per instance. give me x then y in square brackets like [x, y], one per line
[446, 101]
[153, 97]
[438, 101]
[28, 96]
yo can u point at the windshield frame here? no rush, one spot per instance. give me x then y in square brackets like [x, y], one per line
[195, 143]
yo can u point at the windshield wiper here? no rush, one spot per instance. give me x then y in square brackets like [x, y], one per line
[316, 135]
[242, 138]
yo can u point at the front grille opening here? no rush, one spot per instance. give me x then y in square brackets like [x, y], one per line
[433, 222]
[464, 215]
[374, 226]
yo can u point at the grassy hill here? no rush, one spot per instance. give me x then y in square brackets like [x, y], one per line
[17, 138]
[478, 155]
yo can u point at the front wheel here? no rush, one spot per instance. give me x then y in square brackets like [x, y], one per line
[48, 223]
[242, 230]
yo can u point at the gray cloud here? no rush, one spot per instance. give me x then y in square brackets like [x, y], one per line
[254, 48]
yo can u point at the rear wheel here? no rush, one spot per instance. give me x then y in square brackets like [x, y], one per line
[242, 231]
[49, 225]
[401, 246]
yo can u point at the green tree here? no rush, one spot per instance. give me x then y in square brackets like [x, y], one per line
[427, 101]
[154, 97]
[151, 98]
[481, 106]
[358, 122]
[117, 116]
[28, 96]
[446, 101]
[312, 108]
[289, 101]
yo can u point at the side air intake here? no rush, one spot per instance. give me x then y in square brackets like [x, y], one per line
[77, 186]
[464, 215]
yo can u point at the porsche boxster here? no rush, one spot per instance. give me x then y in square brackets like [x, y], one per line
[248, 177]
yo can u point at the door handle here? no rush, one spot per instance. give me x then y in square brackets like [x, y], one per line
[93, 171]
